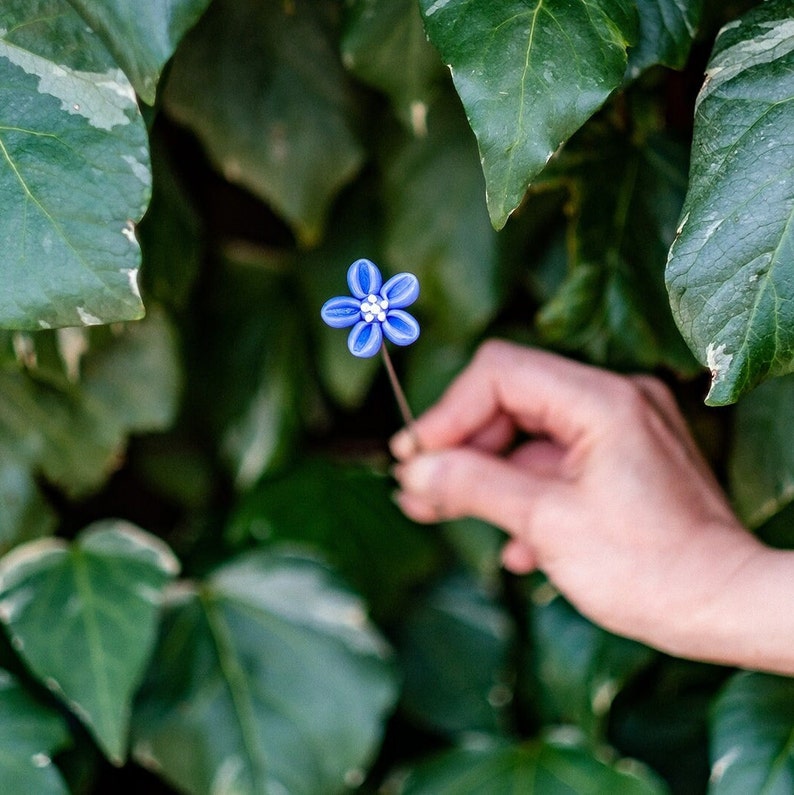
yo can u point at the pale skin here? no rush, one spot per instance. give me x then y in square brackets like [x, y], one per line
[609, 497]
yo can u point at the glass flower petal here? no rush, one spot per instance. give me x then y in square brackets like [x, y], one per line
[363, 278]
[365, 339]
[401, 290]
[341, 312]
[400, 327]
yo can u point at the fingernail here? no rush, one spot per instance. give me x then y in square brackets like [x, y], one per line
[402, 445]
[419, 474]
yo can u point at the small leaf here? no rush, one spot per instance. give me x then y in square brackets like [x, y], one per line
[529, 75]
[29, 735]
[455, 650]
[99, 599]
[142, 37]
[268, 678]
[74, 173]
[24, 514]
[752, 742]
[345, 513]
[667, 30]
[731, 269]
[762, 459]
[546, 767]
[262, 87]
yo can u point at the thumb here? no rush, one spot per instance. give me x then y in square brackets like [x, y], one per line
[466, 482]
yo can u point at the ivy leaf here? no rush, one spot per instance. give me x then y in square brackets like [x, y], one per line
[580, 668]
[436, 226]
[74, 173]
[330, 507]
[550, 767]
[276, 120]
[141, 37]
[268, 678]
[24, 514]
[99, 598]
[752, 746]
[384, 45]
[455, 649]
[529, 75]
[731, 277]
[762, 459]
[667, 30]
[29, 734]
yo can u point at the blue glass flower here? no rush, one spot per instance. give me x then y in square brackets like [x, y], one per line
[374, 309]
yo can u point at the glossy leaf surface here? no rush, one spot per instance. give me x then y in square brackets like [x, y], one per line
[667, 30]
[100, 597]
[74, 173]
[731, 278]
[268, 678]
[141, 36]
[529, 75]
[752, 744]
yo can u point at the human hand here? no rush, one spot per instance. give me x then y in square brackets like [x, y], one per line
[609, 496]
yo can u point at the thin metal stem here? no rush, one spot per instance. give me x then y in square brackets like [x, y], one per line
[402, 402]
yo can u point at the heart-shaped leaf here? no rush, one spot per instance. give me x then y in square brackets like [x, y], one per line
[74, 173]
[141, 36]
[529, 75]
[731, 276]
[268, 678]
[752, 747]
[99, 598]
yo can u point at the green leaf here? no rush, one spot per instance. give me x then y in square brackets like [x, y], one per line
[762, 458]
[385, 46]
[29, 734]
[580, 668]
[437, 228]
[24, 514]
[268, 678]
[261, 85]
[752, 743]
[74, 173]
[141, 37]
[547, 767]
[529, 75]
[455, 651]
[99, 599]
[667, 30]
[613, 305]
[731, 268]
[345, 513]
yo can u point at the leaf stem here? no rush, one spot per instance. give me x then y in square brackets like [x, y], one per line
[402, 401]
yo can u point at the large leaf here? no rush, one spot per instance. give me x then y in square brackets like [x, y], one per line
[384, 45]
[455, 649]
[667, 30]
[762, 458]
[262, 87]
[141, 36]
[529, 74]
[437, 228]
[580, 668]
[268, 678]
[544, 767]
[74, 173]
[29, 734]
[731, 268]
[99, 600]
[613, 306]
[752, 741]
[345, 513]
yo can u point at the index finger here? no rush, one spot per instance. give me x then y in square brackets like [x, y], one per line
[544, 394]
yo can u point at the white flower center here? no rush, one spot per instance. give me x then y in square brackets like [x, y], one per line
[374, 308]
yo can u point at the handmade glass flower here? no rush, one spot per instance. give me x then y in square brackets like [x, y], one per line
[375, 309]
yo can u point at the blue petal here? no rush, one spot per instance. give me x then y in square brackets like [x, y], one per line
[365, 339]
[341, 312]
[363, 278]
[400, 327]
[401, 290]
